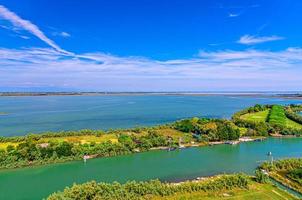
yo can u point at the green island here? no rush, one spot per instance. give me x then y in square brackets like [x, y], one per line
[253, 123]
[236, 186]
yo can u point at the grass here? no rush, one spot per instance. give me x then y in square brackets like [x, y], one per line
[256, 191]
[292, 124]
[263, 115]
[277, 116]
[256, 117]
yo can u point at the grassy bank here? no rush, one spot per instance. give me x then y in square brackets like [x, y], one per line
[236, 186]
[286, 171]
[255, 191]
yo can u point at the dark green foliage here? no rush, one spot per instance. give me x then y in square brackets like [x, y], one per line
[293, 116]
[260, 177]
[295, 175]
[144, 190]
[225, 131]
[187, 125]
[261, 128]
[209, 129]
[291, 131]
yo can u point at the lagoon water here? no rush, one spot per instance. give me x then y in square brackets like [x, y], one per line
[55, 113]
[38, 182]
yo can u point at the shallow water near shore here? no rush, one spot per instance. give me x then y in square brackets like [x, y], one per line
[39, 182]
[35, 114]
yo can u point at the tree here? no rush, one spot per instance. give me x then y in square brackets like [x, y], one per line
[261, 177]
[64, 149]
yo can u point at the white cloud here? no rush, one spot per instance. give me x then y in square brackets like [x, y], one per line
[251, 40]
[250, 69]
[28, 26]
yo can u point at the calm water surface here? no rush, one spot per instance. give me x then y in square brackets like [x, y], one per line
[55, 113]
[39, 182]
[38, 114]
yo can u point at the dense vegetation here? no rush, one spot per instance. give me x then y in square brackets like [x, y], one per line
[283, 165]
[145, 190]
[209, 129]
[286, 171]
[291, 113]
[30, 151]
[295, 175]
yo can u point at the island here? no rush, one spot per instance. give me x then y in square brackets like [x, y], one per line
[253, 123]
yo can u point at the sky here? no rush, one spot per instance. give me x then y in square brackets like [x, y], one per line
[150, 45]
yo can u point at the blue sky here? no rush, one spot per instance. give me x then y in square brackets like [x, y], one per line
[158, 45]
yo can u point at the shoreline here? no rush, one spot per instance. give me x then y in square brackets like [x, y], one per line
[218, 93]
[89, 157]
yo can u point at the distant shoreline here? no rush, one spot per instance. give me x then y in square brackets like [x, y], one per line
[293, 95]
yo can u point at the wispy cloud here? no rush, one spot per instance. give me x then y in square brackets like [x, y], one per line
[251, 40]
[24, 37]
[234, 14]
[253, 69]
[61, 34]
[28, 26]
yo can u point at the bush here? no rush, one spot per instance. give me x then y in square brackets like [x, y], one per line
[293, 116]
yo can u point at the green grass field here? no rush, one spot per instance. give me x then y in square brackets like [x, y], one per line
[256, 192]
[256, 117]
[262, 116]
[292, 124]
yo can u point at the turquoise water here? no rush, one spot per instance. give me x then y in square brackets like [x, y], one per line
[39, 182]
[55, 113]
